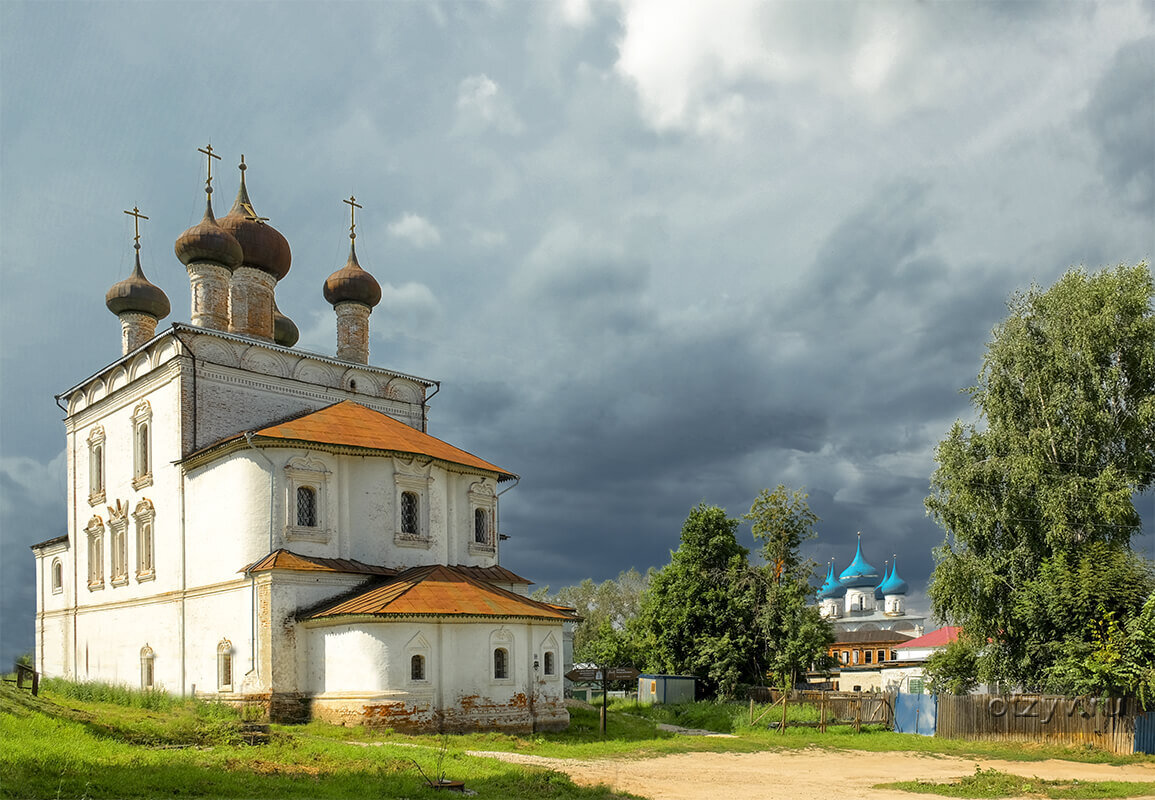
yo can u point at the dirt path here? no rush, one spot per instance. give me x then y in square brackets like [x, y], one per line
[811, 774]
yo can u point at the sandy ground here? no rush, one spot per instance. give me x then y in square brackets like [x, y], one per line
[811, 774]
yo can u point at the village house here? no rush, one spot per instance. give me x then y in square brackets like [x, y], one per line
[257, 524]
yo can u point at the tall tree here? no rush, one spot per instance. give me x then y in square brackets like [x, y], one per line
[607, 610]
[698, 614]
[1066, 402]
[793, 633]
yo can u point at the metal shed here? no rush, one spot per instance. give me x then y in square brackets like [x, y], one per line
[666, 688]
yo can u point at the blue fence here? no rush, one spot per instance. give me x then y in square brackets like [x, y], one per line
[1145, 733]
[915, 713]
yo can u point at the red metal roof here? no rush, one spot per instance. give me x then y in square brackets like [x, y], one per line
[285, 559]
[440, 590]
[351, 424]
[939, 638]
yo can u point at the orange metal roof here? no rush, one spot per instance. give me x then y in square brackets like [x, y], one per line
[494, 574]
[440, 590]
[285, 559]
[353, 425]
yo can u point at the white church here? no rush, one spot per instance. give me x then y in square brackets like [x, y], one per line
[263, 525]
[859, 600]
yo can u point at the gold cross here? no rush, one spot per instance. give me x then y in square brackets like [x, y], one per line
[209, 152]
[353, 206]
[136, 224]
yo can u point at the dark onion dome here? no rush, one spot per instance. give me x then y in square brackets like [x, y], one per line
[859, 574]
[285, 331]
[831, 589]
[208, 241]
[351, 284]
[135, 293]
[263, 247]
[893, 583]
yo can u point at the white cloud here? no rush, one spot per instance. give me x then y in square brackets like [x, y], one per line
[481, 105]
[416, 230]
[31, 481]
[485, 237]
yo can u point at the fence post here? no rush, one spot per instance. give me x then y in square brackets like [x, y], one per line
[858, 715]
[751, 711]
[822, 712]
[785, 699]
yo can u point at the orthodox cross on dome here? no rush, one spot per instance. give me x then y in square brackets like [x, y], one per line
[353, 206]
[136, 224]
[208, 151]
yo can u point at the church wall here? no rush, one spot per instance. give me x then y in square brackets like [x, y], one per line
[222, 613]
[227, 516]
[109, 640]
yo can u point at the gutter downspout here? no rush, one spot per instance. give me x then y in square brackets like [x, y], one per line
[425, 408]
[252, 578]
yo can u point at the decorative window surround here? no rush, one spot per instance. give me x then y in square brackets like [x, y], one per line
[225, 666]
[483, 505]
[144, 515]
[57, 573]
[95, 532]
[118, 525]
[549, 665]
[96, 465]
[307, 487]
[147, 668]
[142, 445]
[411, 478]
[418, 652]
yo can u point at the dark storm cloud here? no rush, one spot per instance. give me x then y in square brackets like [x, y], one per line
[1121, 117]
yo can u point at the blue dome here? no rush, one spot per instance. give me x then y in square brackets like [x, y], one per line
[831, 589]
[893, 584]
[885, 577]
[859, 574]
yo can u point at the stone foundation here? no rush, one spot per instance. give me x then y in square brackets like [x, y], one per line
[469, 715]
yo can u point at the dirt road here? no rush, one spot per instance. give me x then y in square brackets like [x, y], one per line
[811, 774]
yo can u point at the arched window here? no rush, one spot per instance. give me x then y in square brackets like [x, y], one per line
[144, 513]
[225, 666]
[410, 505]
[501, 663]
[96, 465]
[142, 465]
[480, 526]
[417, 668]
[306, 507]
[142, 445]
[854, 657]
[57, 576]
[549, 663]
[147, 673]
[95, 531]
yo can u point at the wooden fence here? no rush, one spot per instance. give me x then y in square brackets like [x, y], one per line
[1108, 724]
[821, 709]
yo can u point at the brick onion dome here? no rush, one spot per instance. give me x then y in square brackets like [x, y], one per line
[136, 293]
[208, 241]
[285, 331]
[263, 247]
[352, 284]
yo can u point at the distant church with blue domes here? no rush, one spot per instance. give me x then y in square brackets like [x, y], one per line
[860, 600]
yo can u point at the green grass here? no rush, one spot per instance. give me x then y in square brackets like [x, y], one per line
[992, 783]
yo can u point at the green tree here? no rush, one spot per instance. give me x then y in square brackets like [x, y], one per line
[792, 632]
[698, 614]
[953, 669]
[607, 610]
[1066, 439]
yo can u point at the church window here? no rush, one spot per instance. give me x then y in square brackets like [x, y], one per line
[410, 506]
[548, 660]
[95, 531]
[306, 507]
[57, 576]
[417, 668]
[484, 504]
[480, 526]
[145, 559]
[308, 484]
[500, 664]
[96, 466]
[225, 666]
[142, 445]
[147, 671]
[119, 528]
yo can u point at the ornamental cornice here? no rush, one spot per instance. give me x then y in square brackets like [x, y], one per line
[130, 394]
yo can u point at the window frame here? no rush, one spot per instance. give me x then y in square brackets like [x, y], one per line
[96, 472]
[548, 664]
[118, 545]
[501, 664]
[145, 518]
[407, 480]
[225, 666]
[56, 576]
[418, 668]
[307, 473]
[147, 669]
[142, 445]
[483, 502]
[95, 531]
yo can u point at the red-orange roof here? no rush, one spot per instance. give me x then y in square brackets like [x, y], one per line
[438, 590]
[353, 425]
[285, 559]
[939, 638]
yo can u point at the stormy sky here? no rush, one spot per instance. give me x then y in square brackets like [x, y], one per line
[657, 252]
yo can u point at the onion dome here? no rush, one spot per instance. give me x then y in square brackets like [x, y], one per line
[885, 577]
[285, 332]
[135, 293]
[262, 246]
[208, 241]
[859, 574]
[893, 584]
[351, 284]
[831, 589]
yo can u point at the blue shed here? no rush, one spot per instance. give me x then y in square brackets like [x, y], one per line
[666, 688]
